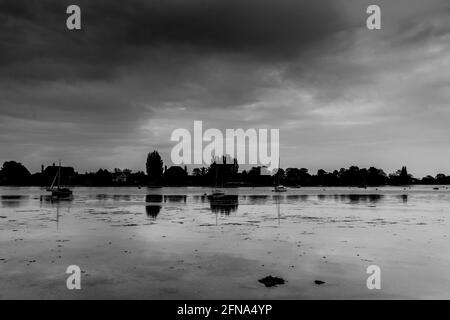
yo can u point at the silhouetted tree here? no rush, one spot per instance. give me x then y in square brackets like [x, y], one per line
[200, 177]
[295, 176]
[279, 176]
[196, 172]
[175, 176]
[14, 173]
[226, 169]
[154, 167]
[254, 173]
[442, 179]
[376, 177]
[222, 169]
[103, 178]
[321, 176]
[401, 177]
[428, 180]
[152, 211]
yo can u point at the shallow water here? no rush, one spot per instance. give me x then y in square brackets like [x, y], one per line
[174, 243]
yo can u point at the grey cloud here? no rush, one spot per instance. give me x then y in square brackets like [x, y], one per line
[36, 45]
[139, 68]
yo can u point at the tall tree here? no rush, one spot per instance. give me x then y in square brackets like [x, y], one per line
[401, 177]
[175, 175]
[14, 173]
[154, 167]
[222, 169]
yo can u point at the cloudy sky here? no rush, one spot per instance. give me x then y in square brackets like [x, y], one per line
[339, 93]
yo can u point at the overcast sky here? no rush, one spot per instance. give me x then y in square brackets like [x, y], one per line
[340, 94]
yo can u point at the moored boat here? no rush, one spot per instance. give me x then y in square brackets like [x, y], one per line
[58, 191]
[279, 188]
[217, 194]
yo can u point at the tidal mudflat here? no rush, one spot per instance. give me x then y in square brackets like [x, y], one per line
[175, 243]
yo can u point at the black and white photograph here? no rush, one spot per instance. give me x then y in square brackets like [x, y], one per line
[198, 150]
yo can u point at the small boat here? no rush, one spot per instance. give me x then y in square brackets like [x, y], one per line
[217, 194]
[58, 191]
[279, 188]
[61, 192]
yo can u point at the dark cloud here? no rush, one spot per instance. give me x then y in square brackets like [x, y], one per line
[340, 94]
[35, 43]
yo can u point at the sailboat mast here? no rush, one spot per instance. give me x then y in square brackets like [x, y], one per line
[59, 174]
[279, 167]
[53, 183]
[217, 175]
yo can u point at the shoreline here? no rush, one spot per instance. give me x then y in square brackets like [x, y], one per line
[191, 248]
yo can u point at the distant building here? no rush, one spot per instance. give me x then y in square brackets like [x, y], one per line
[49, 174]
[175, 175]
[119, 177]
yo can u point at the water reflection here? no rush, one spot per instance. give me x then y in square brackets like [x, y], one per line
[158, 198]
[264, 199]
[352, 198]
[278, 206]
[13, 201]
[299, 197]
[118, 197]
[152, 211]
[357, 198]
[58, 204]
[114, 197]
[404, 198]
[256, 199]
[50, 199]
[199, 198]
[224, 205]
[101, 197]
[176, 198]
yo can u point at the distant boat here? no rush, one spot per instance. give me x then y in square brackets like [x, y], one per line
[279, 187]
[216, 193]
[58, 191]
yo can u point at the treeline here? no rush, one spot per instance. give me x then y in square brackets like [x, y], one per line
[223, 172]
[15, 173]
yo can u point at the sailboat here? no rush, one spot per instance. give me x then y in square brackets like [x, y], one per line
[58, 191]
[217, 193]
[279, 187]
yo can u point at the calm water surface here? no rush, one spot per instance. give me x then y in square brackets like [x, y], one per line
[174, 243]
